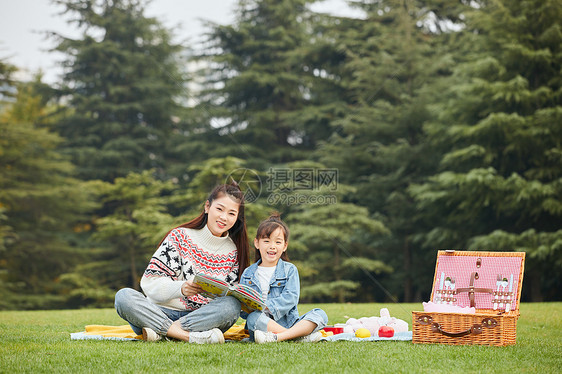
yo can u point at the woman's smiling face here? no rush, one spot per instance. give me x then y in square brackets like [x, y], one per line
[222, 214]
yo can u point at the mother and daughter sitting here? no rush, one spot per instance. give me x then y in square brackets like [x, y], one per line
[216, 244]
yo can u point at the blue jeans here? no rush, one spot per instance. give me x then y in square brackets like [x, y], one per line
[135, 308]
[258, 320]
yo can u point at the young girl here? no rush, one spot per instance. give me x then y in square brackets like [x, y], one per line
[216, 244]
[278, 282]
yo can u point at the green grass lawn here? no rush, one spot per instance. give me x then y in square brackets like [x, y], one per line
[39, 341]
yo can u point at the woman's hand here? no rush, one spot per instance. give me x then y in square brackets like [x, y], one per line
[189, 288]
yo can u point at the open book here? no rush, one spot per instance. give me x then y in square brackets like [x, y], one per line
[251, 299]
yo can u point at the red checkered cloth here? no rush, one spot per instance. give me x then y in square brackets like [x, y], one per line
[460, 268]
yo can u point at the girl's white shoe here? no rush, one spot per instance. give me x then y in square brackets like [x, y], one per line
[312, 338]
[262, 337]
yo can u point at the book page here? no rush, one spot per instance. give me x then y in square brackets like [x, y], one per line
[213, 286]
[249, 297]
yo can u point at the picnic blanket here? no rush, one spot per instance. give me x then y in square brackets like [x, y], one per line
[235, 333]
[403, 336]
[103, 332]
[125, 332]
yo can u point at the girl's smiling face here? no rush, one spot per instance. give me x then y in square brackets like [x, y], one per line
[271, 248]
[222, 214]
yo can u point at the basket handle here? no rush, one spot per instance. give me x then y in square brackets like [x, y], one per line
[475, 329]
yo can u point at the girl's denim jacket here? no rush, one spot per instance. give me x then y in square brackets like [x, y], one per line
[284, 291]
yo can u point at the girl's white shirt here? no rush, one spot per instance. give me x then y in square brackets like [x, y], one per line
[264, 275]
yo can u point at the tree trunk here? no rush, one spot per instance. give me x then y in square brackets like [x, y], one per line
[134, 282]
[337, 272]
[536, 292]
[407, 272]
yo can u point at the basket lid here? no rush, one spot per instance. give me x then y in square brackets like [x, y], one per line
[479, 279]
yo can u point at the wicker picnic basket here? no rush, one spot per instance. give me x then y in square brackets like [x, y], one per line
[484, 280]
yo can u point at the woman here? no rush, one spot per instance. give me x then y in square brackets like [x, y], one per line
[216, 244]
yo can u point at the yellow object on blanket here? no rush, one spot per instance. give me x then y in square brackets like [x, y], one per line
[124, 331]
[236, 332]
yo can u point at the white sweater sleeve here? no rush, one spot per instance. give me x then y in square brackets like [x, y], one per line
[161, 289]
[162, 279]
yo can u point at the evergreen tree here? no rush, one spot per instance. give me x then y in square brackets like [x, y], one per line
[41, 203]
[7, 86]
[7, 83]
[262, 82]
[501, 180]
[131, 233]
[122, 79]
[392, 73]
[336, 251]
[331, 240]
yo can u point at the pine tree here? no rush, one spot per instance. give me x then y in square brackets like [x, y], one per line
[7, 83]
[262, 83]
[122, 79]
[501, 178]
[7, 86]
[336, 253]
[41, 203]
[391, 74]
[331, 239]
[131, 233]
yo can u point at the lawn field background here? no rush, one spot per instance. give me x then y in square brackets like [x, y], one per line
[39, 342]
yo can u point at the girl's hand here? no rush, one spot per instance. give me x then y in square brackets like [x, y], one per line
[189, 288]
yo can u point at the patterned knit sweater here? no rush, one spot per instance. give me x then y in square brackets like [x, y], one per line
[182, 254]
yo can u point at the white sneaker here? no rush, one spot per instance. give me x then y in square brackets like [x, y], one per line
[262, 337]
[312, 338]
[213, 336]
[149, 335]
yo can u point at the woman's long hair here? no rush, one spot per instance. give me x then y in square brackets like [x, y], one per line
[237, 232]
